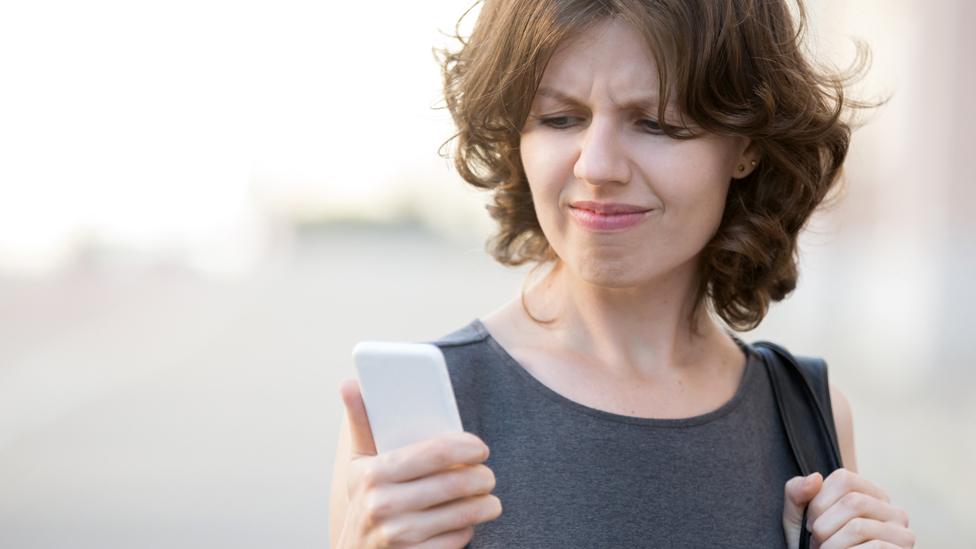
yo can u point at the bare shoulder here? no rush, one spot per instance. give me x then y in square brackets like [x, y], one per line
[844, 422]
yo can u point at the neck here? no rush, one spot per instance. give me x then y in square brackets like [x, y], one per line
[641, 332]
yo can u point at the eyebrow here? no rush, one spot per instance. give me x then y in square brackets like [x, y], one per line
[649, 103]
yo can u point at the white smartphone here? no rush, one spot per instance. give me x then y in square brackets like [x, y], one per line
[407, 392]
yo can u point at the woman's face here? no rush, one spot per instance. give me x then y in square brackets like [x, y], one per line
[591, 136]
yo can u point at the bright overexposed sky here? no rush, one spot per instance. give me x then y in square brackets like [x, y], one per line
[183, 125]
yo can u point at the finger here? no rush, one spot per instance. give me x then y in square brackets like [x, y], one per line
[439, 488]
[454, 539]
[430, 456]
[875, 544]
[361, 436]
[450, 516]
[800, 490]
[856, 504]
[796, 493]
[859, 530]
[835, 486]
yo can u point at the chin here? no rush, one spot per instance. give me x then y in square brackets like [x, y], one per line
[610, 273]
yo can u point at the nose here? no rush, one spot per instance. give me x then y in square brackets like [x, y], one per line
[602, 158]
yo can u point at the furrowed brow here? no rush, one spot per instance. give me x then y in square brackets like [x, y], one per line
[649, 104]
[557, 95]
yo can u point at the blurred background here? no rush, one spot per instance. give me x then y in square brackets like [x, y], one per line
[204, 205]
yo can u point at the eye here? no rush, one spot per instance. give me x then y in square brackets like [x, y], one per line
[651, 125]
[558, 122]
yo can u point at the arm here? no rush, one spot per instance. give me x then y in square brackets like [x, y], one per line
[844, 423]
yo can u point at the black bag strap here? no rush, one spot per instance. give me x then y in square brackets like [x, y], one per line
[802, 395]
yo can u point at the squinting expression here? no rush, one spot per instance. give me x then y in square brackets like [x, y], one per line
[592, 135]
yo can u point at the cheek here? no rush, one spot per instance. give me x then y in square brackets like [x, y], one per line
[548, 169]
[530, 158]
[693, 186]
[545, 170]
[696, 175]
[543, 155]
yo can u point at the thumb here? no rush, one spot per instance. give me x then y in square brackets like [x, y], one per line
[361, 436]
[796, 494]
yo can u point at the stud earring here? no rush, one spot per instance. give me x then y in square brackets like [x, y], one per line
[753, 163]
[741, 168]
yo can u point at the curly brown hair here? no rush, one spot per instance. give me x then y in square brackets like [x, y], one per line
[737, 67]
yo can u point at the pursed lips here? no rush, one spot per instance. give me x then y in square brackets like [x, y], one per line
[608, 208]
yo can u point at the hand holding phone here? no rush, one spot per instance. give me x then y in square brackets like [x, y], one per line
[430, 491]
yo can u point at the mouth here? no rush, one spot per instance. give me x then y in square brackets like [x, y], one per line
[607, 222]
[608, 208]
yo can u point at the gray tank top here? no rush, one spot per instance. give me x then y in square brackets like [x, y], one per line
[573, 476]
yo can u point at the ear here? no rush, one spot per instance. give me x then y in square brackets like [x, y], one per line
[748, 159]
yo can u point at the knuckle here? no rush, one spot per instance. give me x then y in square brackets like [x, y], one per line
[398, 534]
[814, 510]
[843, 477]
[370, 478]
[469, 514]
[854, 501]
[388, 535]
[857, 526]
[391, 461]
[377, 506]
[440, 454]
[457, 483]
[819, 531]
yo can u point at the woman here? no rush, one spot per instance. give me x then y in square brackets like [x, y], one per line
[661, 157]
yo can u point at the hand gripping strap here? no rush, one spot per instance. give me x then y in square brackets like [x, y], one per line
[803, 397]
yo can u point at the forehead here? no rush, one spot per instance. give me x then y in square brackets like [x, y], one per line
[609, 57]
